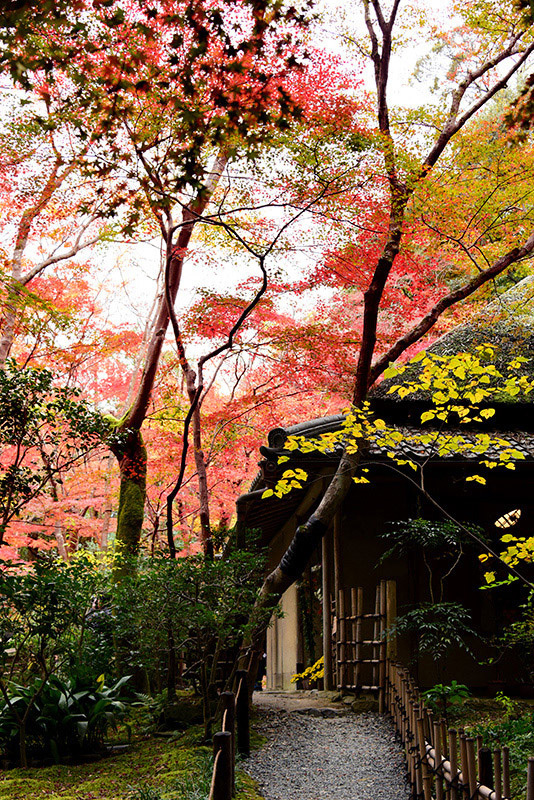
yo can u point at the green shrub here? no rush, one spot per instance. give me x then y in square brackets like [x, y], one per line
[441, 696]
[56, 718]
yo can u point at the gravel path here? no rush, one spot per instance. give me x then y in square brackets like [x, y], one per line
[325, 754]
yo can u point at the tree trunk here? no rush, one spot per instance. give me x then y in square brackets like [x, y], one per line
[203, 493]
[22, 745]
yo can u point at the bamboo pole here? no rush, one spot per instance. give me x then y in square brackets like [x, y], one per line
[418, 776]
[425, 771]
[453, 758]
[376, 631]
[463, 758]
[437, 761]
[352, 628]
[382, 647]
[471, 766]
[335, 637]
[444, 739]
[497, 772]
[391, 615]
[429, 724]
[411, 741]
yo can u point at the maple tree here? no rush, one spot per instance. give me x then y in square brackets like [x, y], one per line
[485, 57]
[50, 210]
[213, 77]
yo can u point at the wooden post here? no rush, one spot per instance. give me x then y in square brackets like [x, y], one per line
[342, 633]
[327, 628]
[242, 714]
[485, 767]
[358, 637]
[530, 779]
[391, 616]
[228, 725]
[337, 555]
[221, 783]
[506, 773]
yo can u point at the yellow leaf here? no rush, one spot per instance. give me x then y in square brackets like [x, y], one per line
[477, 478]
[487, 412]
[282, 459]
[267, 493]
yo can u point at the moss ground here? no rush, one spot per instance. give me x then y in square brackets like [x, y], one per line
[154, 764]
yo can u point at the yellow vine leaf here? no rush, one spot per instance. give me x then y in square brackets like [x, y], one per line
[477, 478]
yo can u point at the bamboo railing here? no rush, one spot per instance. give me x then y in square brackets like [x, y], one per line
[442, 763]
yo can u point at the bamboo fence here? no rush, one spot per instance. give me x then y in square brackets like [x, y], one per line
[445, 764]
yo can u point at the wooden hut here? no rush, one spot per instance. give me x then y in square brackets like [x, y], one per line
[352, 551]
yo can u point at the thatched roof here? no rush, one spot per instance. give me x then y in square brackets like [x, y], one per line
[507, 324]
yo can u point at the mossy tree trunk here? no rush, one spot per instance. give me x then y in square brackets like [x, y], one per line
[131, 454]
